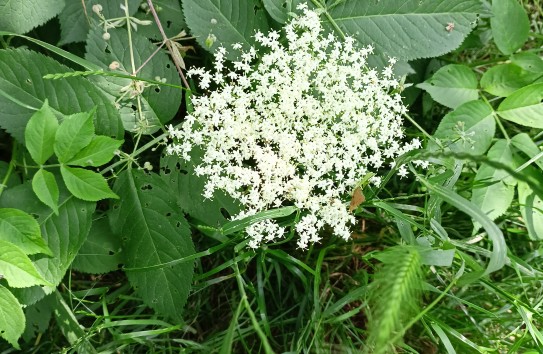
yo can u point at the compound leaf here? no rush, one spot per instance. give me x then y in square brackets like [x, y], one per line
[503, 80]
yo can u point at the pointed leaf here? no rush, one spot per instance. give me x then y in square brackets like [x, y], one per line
[64, 234]
[154, 233]
[524, 143]
[217, 23]
[509, 38]
[524, 106]
[452, 85]
[22, 16]
[528, 61]
[503, 80]
[468, 129]
[40, 134]
[23, 230]
[23, 91]
[17, 269]
[531, 207]
[12, 318]
[100, 151]
[45, 186]
[85, 184]
[75, 132]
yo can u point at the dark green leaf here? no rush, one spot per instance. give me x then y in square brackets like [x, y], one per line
[524, 106]
[452, 85]
[38, 317]
[510, 25]
[23, 230]
[13, 179]
[100, 151]
[170, 16]
[16, 267]
[45, 186]
[23, 91]
[85, 184]
[40, 134]
[279, 9]
[154, 232]
[22, 16]
[503, 80]
[75, 132]
[12, 318]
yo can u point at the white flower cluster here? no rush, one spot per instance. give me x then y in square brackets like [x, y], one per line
[299, 125]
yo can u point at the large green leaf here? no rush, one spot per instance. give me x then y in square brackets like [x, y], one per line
[159, 104]
[503, 80]
[12, 318]
[86, 184]
[468, 129]
[64, 233]
[524, 106]
[22, 16]
[100, 151]
[228, 22]
[16, 267]
[170, 15]
[75, 132]
[77, 17]
[452, 85]
[23, 91]
[408, 30]
[101, 252]
[23, 230]
[494, 199]
[154, 232]
[40, 134]
[510, 25]
[531, 206]
[188, 189]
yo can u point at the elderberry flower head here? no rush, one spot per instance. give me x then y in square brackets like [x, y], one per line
[302, 126]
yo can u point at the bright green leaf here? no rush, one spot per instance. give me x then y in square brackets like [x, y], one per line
[155, 232]
[528, 61]
[22, 16]
[437, 257]
[510, 25]
[75, 132]
[86, 185]
[23, 91]
[23, 230]
[101, 252]
[452, 85]
[217, 23]
[12, 318]
[45, 186]
[468, 129]
[17, 268]
[531, 207]
[40, 134]
[524, 106]
[100, 151]
[503, 80]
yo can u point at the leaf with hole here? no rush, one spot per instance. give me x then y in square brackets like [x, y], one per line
[17, 268]
[23, 91]
[86, 185]
[452, 85]
[524, 106]
[154, 232]
[45, 186]
[22, 16]
[12, 318]
[40, 134]
[170, 16]
[100, 151]
[23, 230]
[75, 132]
[510, 25]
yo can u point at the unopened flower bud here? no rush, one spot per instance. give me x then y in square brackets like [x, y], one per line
[97, 9]
[106, 36]
[114, 65]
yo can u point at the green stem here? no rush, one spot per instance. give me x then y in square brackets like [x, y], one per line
[498, 121]
[10, 167]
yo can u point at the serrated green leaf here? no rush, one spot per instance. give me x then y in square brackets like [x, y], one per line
[217, 23]
[101, 252]
[22, 16]
[528, 61]
[154, 232]
[495, 199]
[509, 38]
[452, 85]
[170, 16]
[503, 80]
[12, 318]
[86, 185]
[524, 106]
[100, 151]
[16, 267]
[414, 29]
[40, 134]
[77, 17]
[45, 186]
[64, 233]
[468, 129]
[74, 133]
[159, 103]
[188, 189]
[524, 143]
[23, 230]
[23, 91]
[531, 206]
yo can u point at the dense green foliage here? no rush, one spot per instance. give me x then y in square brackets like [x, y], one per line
[107, 243]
